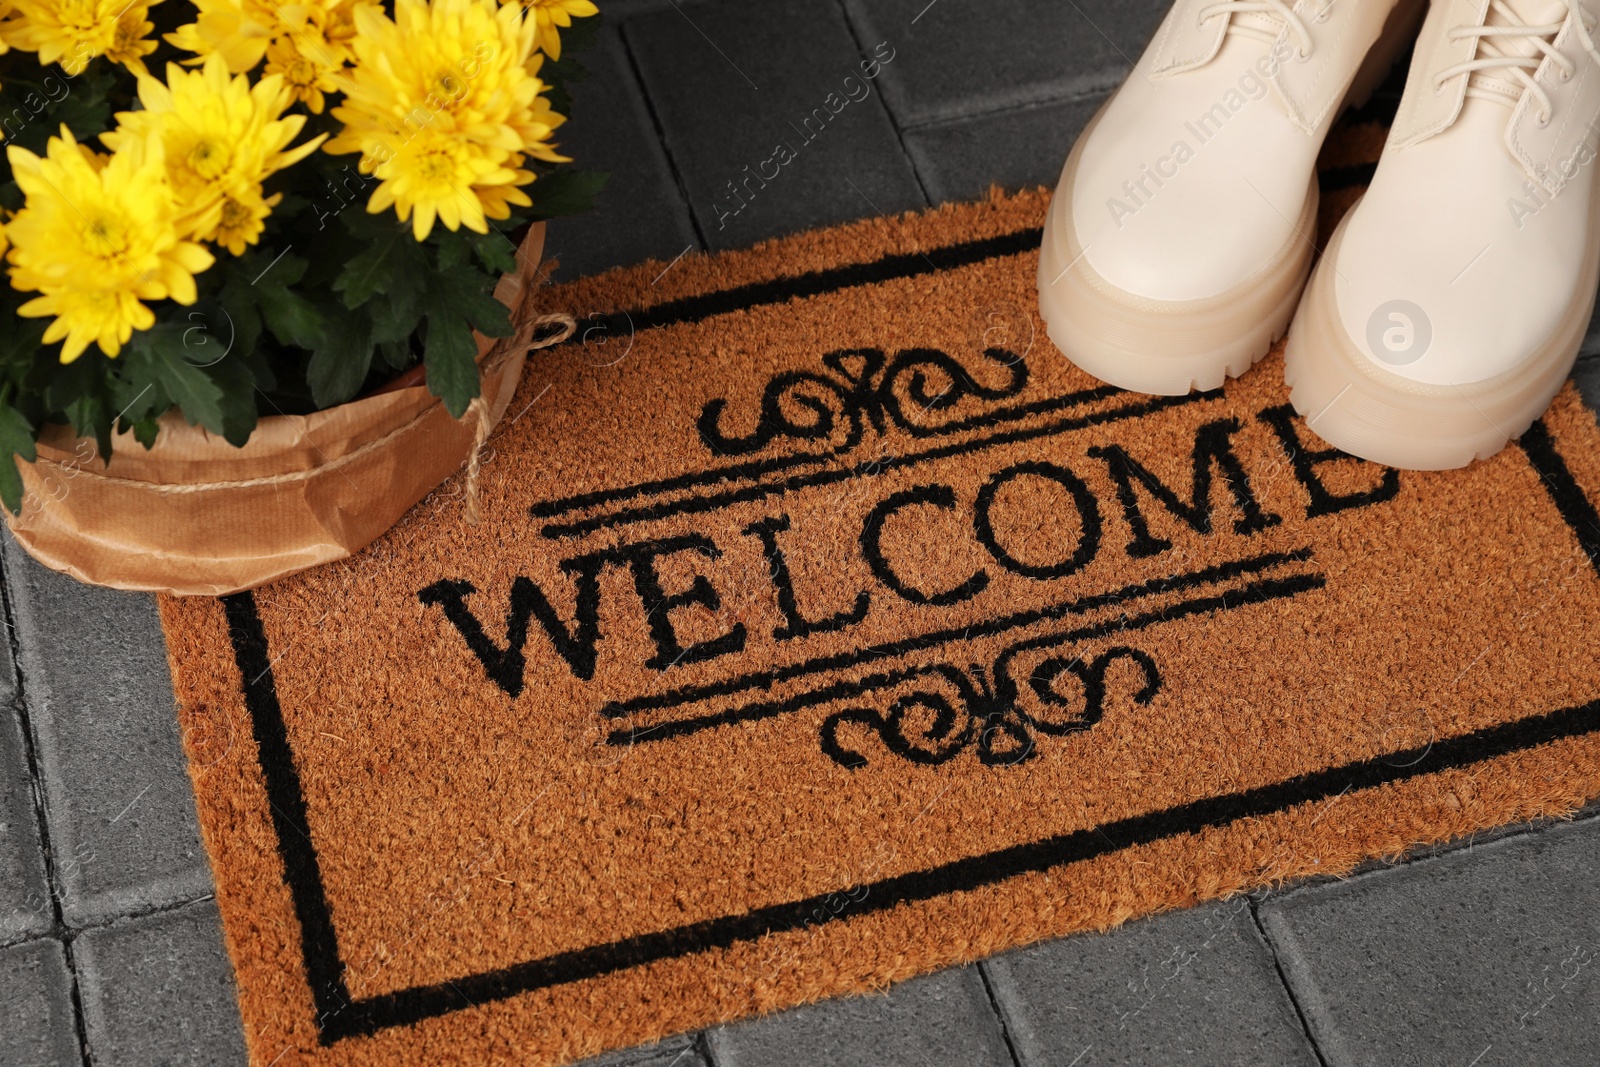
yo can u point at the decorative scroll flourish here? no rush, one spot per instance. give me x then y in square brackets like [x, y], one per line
[863, 389]
[933, 723]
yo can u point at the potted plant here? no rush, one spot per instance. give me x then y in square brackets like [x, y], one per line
[270, 268]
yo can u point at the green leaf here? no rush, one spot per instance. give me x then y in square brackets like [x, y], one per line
[565, 192]
[398, 318]
[90, 418]
[158, 354]
[495, 251]
[451, 358]
[575, 40]
[70, 383]
[237, 382]
[455, 248]
[209, 335]
[20, 338]
[456, 303]
[340, 361]
[16, 439]
[450, 353]
[391, 261]
[560, 99]
[467, 292]
[292, 318]
[238, 301]
[146, 430]
[83, 103]
[487, 315]
[397, 355]
[139, 396]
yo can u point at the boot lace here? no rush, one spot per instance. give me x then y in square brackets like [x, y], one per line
[1279, 9]
[1493, 57]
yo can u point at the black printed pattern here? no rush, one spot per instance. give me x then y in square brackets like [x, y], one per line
[1070, 697]
[863, 391]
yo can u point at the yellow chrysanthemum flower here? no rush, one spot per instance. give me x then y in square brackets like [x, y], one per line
[243, 217]
[307, 63]
[222, 138]
[497, 199]
[443, 104]
[96, 237]
[238, 30]
[131, 42]
[72, 32]
[551, 17]
[434, 174]
[318, 32]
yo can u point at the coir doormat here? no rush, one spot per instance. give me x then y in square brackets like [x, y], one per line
[825, 627]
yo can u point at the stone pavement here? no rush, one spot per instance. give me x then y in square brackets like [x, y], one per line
[1480, 954]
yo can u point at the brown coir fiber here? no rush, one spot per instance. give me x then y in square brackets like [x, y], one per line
[825, 627]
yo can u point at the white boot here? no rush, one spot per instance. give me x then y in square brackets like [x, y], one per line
[1450, 303]
[1180, 234]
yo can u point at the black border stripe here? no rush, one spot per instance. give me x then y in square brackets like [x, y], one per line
[301, 870]
[1577, 511]
[965, 875]
[812, 283]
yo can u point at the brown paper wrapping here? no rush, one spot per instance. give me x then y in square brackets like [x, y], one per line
[195, 515]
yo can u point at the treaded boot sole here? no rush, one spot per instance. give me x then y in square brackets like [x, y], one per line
[1356, 405]
[1158, 346]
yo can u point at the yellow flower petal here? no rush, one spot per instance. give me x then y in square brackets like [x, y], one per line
[95, 237]
[460, 78]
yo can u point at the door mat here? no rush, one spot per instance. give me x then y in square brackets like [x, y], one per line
[825, 627]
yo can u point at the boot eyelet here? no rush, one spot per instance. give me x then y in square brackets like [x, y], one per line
[1542, 119]
[1563, 75]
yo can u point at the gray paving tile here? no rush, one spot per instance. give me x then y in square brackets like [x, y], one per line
[1014, 149]
[117, 797]
[942, 1018]
[956, 58]
[1194, 987]
[1488, 956]
[25, 909]
[1591, 340]
[36, 1005]
[678, 1051]
[159, 990]
[8, 664]
[1587, 375]
[731, 82]
[640, 213]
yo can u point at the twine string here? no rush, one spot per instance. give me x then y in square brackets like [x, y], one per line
[540, 335]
